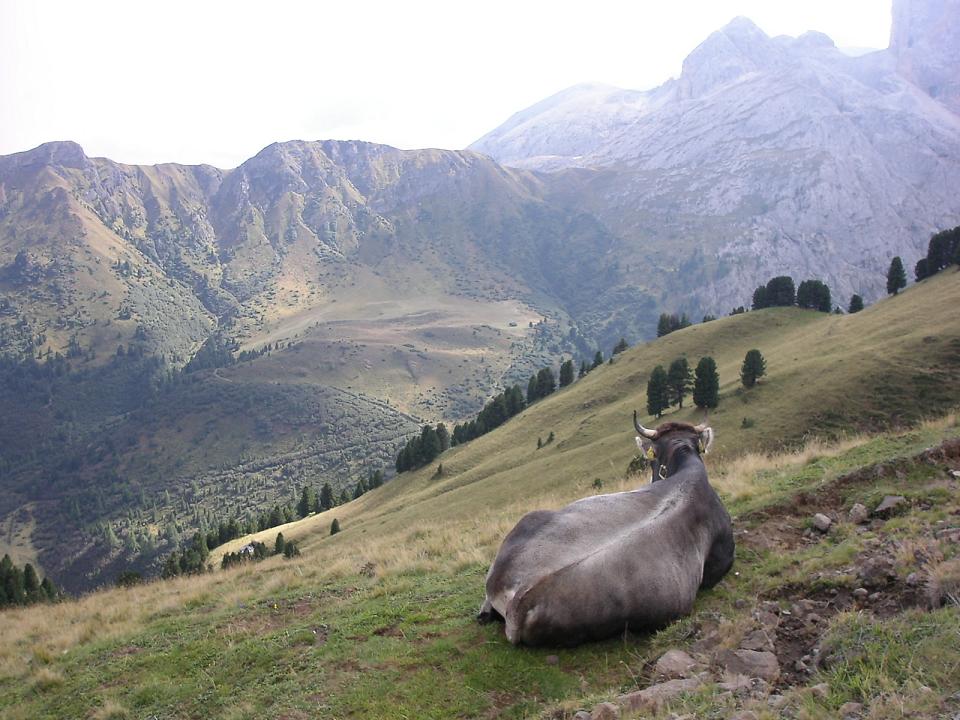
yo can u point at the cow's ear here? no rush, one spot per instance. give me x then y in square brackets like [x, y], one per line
[647, 448]
[706, 440]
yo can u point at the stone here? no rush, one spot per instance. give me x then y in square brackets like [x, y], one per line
[875, 572]
[860, 594]
[675, 664]
[736, 684]
[859, 514]
[653, 697]
[745, 715]
[948, 534]
[821, 522]
[582, 715]
[776, 701]
[889, 505]
[768, 621]
[605, 711]
[851, 710]
[955, 474]
[757, 640]
[820, 691]
[913, 579]
[751, 663]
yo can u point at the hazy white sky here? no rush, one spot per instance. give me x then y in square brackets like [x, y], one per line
[214, 82]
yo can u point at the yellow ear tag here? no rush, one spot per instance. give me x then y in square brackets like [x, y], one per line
[651, 455]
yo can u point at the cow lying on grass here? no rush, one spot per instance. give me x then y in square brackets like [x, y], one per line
[609, 563]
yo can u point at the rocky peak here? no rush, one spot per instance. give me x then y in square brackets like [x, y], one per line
[727, 54]
[925, 40]
[62, 153]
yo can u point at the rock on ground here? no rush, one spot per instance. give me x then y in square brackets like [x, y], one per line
[654, 696]
[675, 664]
[605, 711]
[751, 663]
[859, 514]
[821, 522]
[889, 505]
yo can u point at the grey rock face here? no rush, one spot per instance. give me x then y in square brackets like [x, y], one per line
[770, 154]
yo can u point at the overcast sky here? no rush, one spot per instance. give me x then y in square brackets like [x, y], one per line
[214, 82]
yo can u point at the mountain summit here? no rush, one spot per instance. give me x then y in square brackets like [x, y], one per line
[770, 154]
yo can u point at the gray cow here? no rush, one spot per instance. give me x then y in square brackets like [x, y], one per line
[609, 563]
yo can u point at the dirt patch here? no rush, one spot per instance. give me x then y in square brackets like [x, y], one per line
[390, 631]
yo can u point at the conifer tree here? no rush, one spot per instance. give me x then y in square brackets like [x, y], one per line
[444, 436]
[620, 346]
[566, 373]
[334, 527]
[679, 379]
[706, 384]
[754, 367]
[326, 497]
[597, 360]
[921, 271]
[583, 368]
[664, 326]
[546, 383]
[658, 392]
[279, 544]
[856, 304]
[308, 501]
[532, 389]
[760, 298]
[896, 277]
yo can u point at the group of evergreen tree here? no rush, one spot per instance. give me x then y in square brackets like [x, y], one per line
[24, 587]
[541, 385]
[943, 251]
[814, 295]
[669, 387]
[424, 448]
[258, 551]
[669, 323]
[494, 414]
[778, 292]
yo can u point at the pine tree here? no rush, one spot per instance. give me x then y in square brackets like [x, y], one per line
[546, 383]
[308, 501]
[856, 304]
[597, 360]
[583, 368]
[896, 277]
[31, 583]
[754, 367]
[334, 527]
[921, 271]
[706, 384]
[326, 497]
[444, 436]
[532, 389]
[566, 373]
[760, 298]
[679, 379]
[658, 392]
[279, 544]
[620, 346]
[781, 292]
[664, 326]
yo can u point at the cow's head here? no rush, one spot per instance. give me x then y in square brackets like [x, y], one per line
[669, 441]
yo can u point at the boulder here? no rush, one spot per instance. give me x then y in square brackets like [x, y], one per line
[875, 572]
[605, 711]
[851, 710]
[820, 691]
[751, 663]
[653, 697]
[821, 522]
[889, 505]
[582, 715]
[859, 514]
[675, 664]
[757, 640]
[745, 715]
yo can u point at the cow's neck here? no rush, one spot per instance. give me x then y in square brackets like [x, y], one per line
[680, 459]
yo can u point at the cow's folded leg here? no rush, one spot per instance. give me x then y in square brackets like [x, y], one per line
[488, 613]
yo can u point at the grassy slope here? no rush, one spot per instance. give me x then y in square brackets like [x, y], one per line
[377, 620]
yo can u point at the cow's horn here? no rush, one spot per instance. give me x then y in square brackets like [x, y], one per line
[652, 434]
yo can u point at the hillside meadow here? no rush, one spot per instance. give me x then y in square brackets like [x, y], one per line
[378, 620]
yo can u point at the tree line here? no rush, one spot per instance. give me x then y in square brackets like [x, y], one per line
[24, 587]
[942, 251]
[669, 387]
